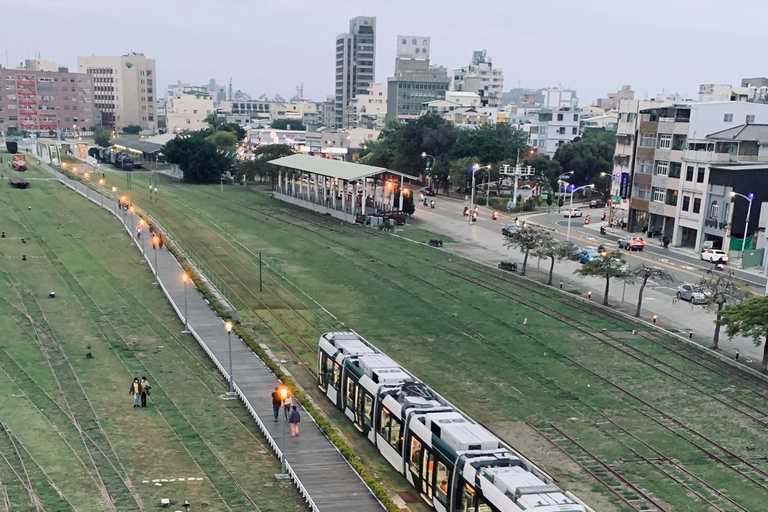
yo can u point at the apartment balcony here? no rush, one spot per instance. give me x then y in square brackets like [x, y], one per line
[710, 157]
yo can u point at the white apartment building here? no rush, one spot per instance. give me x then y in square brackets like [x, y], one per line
[552, 129]
[481, 78]
[557, 99]
[369, 110]
[125, 89]
[188, 112]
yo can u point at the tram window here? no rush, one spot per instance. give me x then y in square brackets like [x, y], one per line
[482, 506]
[394, 435]
[465, 501]
[443, 482]
[415, 458]
[384, 423]
[368, 409]
[350, 393]
[337, 376]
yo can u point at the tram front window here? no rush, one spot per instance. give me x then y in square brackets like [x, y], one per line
[466, 499]
[443, 481]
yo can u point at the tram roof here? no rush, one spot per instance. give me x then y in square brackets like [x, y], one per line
[333, 168]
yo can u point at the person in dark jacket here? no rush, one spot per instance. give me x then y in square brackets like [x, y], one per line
[145, 387]
[276, 402]
[294, 421]
[135, 390]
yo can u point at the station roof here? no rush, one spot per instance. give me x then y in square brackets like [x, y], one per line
[744, 132]
[332, 168]
[136, 144]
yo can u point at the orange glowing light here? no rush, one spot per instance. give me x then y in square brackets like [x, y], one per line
[184, 277]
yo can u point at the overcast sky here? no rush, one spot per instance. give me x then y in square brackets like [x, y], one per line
[593, 46]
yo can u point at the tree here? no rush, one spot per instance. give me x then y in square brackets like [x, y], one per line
[460, 172]
[608, 266]
[588, 156]
[264, 154]
[720, 290]
[132, 129]
[197, 157]
[489, 143]
[529, 239]
[550, 248]
[288, 124]
[224, 141]
[219, 124]
[644, 273]
[409, 206]
[101, 136]
[215, 121]
[749, 318]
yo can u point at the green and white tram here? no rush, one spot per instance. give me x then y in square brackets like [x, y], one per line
[454, 463]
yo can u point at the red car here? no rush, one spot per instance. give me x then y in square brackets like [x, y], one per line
[597, 203]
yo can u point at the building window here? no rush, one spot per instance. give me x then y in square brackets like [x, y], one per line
[689, 173]
[686, 203]
[714, 209]
[576, 117]
[559, 117]
[644, 166]
[574, 131]
[728, 118]
[647, 140]
[750, 118]
[561, 130]
[659, 194]
[700, 175]
[641, 192]
[665, 141]
[662, 168]
[697, 205]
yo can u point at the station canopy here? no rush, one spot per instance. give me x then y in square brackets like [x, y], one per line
[333, 168]
[138, 145]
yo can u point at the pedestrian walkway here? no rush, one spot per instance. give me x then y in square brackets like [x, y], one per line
[316, 467]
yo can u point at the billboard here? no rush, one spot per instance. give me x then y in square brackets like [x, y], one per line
[624, 187]
[412, 47]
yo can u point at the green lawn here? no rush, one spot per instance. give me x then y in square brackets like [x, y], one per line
[105, 303]
[511, 353]
[33, 170]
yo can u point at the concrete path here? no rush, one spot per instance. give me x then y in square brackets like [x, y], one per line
[317, 468]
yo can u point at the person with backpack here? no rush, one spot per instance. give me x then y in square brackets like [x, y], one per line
[294, 421]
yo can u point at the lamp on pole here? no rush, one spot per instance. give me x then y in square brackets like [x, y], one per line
[101, 184]
[155, 243]
[475, 168]
[283, 396]
[131, 210]
[114, 194]
[141, 228]
[749, 198]
[228, 327]
[570, 208]
[185, 278]
[427, 164]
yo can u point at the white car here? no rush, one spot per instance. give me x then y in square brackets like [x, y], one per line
[692, 293]
[573, 213]
[714, 256]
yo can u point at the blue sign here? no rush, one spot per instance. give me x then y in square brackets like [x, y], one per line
[624, 186]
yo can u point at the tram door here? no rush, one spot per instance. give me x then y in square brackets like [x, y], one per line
[427, 474]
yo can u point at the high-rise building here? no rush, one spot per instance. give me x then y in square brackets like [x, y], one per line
[481, 78]
[46, 100]
[416, 81]
[355, 63]
[125, 89]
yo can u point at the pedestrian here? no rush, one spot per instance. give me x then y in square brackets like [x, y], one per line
[294, 421]
[287, 403]
[145, 387]
[151, 231]
[135, 390]
[138, 233]
[160, 241]
[276, 402]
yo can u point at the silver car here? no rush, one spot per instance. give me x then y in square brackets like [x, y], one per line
[692, 293]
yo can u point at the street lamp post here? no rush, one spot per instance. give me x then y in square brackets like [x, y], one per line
[427, 165]
[114, 195]
[141, 228]
[749, 198]
[228, 327]
[185, 278]
[155, 243]
[131, 210]
[570, 209]
[283, 396]
[475, 168]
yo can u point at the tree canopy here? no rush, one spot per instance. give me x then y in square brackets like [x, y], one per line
[258, 165]
[284, 124]
[132, 129]
[749, 318]
[101, 136]
[588, 156]
[644, 273]
[609, 266]
[197, 157]
[718, 291]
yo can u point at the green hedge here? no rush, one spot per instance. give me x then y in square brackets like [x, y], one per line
[328, 429]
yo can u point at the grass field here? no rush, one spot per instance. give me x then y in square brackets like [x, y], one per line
[627, 421]
[71, 439]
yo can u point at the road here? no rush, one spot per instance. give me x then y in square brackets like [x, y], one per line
[482, 241]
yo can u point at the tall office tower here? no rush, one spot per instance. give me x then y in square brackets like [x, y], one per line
[355, 63]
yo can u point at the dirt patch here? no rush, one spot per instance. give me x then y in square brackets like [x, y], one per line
[567, 473]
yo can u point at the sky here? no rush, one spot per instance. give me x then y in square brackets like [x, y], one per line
[593, 46]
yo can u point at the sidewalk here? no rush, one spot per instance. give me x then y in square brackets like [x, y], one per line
[316, 467]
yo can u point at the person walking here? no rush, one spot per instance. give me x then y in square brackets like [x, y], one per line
[145, 387]
[294, 421]
[276, 402]
[287, 403]
[135, 390]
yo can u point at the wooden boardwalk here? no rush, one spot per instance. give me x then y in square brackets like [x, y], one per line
[316, 467]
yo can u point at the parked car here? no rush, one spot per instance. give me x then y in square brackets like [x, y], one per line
[597, 203]
[692, 293]
[632, 243]
[589, 255]
[714, 256]
[427, 191]
[573, 213]
[510, 229]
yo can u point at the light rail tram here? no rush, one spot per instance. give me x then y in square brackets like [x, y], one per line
[454, 463]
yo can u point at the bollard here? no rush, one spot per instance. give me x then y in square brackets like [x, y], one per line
[690, 335]
[23, 257]
[561, 285]
[3, 235]
[655, 317]
[589, 295]
[737, 355]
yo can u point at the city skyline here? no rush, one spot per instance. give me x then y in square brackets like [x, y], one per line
[592, 47]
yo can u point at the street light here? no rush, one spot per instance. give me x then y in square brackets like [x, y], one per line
[114, 194]
[475, 168]
[283, 396]
[132, 210]
[141, 228]
[228, 327]
[155, 242]
[185, 278]
[749, 198]
[570, 209]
